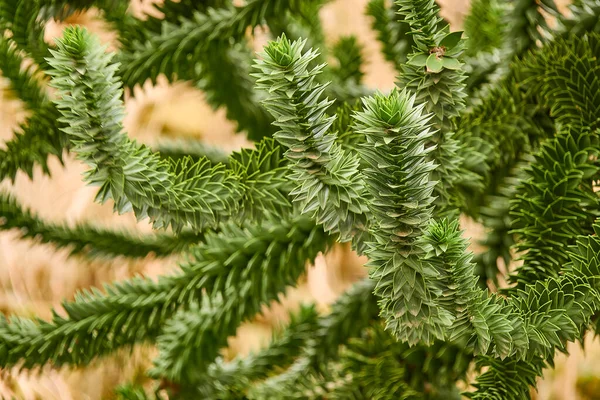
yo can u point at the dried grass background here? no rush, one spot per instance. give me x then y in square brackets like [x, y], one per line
[34, 278]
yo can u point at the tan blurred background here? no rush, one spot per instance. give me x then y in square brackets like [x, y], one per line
[35, 278]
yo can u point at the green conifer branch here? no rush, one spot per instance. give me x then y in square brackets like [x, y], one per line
[377, 366]
[87, 239]
[373, 368]
[258, 273]
[20, 17]
[506, 379]
[39, 136]
[170, 193]
[179, 47]
[583, 19]
[223, 71]
[33, 142]
[256, 262]
[348, 53]
[231, 380]
[351, 313]
[563, 310]
[483, 26]
[328, 186]
[568, 79]
[434, 73]
[481, 323]
[136, 392]
[24, 80]
[495, 217]
[343, 125]
[506, 125]
[555, 203]
[398, 179]
[526, 25]
[263, 175]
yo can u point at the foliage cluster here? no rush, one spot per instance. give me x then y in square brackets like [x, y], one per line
[499, 123]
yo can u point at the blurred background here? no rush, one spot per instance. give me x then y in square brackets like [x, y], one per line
[34, 278]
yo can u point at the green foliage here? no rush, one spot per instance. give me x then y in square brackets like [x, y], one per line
[555, 203]
[526, 23]
[433, 72]
[348, 53]
[39, 137]
[196, 149]
[352, 312]
[483, 26]
[328, 186]
[135, 311]
[401, 205]
[500, 124]
[89, 240]
[176, 49]
[231, 380]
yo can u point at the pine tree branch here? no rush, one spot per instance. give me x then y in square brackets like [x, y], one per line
[328, 186]
[398, 179]
[89, 240]
[190, 341]
[555, 203]
[481, 323]
[351, 313]
[372, 368]
[507, 379]
[171, 193]
[179, 47]
[434, 73]
[20, 17]
[347, 136]
[39, 136]
[526, 24]
[567, 79]
[483, 26]
[345, 76]
[506, 125]
[560, 311]
[264, 177]
[349, 60]
[222, 69]
[24, 80]
[376, 366]
[254, 263]
[495, 218]
[231, 380]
